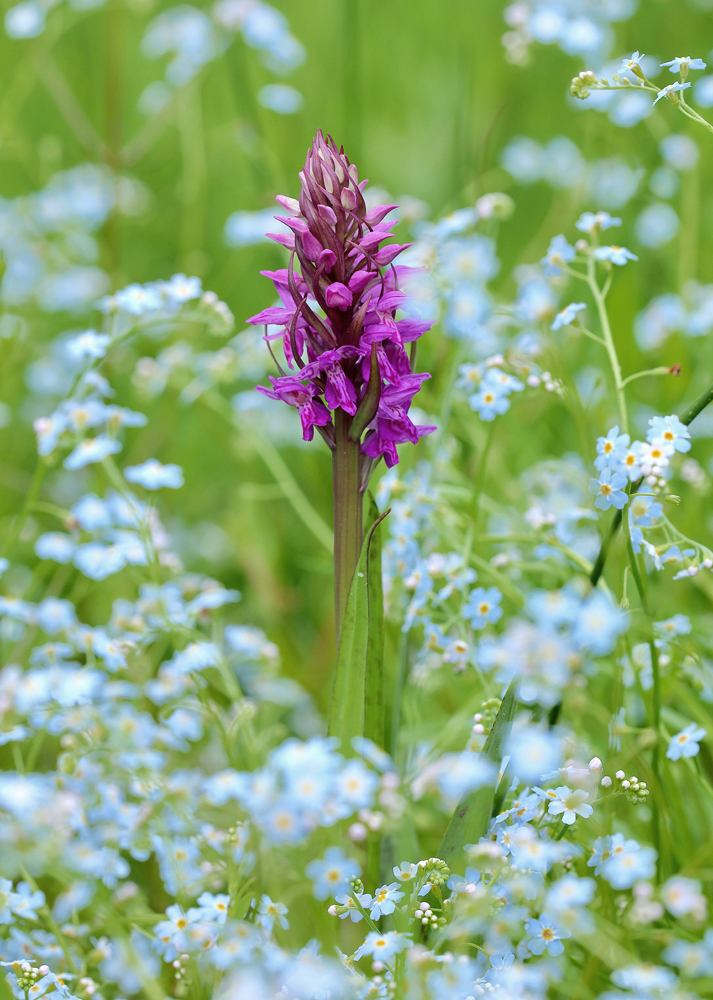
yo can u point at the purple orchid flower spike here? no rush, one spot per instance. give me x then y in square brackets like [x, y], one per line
[350, 375]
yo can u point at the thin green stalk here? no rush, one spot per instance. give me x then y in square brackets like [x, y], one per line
[190, 123]
[348, 504]
[113, 99]
[480, 474]
[444, 417]
[283, 477]
[292, 492]
[33, 493]
[52, 924]
[143, 525]
[656, 671]
[688, 239]
[661, 370]
[400, 683]
[599, 300]
[689, 415]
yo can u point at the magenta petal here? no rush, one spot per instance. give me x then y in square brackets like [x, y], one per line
[338, 296]
[370, 240]
[326, 260]
[387, 254]
[378, 213]
[327, 213]
[286, 239]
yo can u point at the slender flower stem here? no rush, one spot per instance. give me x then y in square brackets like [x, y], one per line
[661, 370]
[348, 504]
[695, 408]
[480, 474]
[33, 493]
[280, 471]
[655, 669]
[600, 303]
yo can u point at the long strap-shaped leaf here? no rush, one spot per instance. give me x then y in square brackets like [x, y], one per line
[348, 711]
[374, 707]
[470, 820]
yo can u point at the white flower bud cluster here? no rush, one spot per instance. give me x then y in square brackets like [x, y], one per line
[635, 790]
[179, 966]
[550, 383]
[484, 719]
[582, 84]
[27, 975]
[437, 871]
[378, 980]
[425, 915]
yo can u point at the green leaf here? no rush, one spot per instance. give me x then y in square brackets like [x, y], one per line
[374, 708]
[5, 989]
[362, 631]
[470, 820]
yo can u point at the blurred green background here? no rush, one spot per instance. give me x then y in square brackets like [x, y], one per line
[424, 101]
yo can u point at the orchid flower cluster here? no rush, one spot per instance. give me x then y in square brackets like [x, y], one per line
[337, 318]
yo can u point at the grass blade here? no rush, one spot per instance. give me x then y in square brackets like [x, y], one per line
[470, 820]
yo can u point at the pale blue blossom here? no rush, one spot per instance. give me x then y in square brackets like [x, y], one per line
[546, 935]
[676, 625]
[589, 222]
[680, 151]
[670, 431]
[567, 315]
[685, 743]
[152, 475]
[623, 862]
[614, 254]
[270, 913]
[383, 947]
[534, 752]
[683, 64]
[25, 901]
[569, 803]
[385, 900]
[559, 253]
[332, 874]
[609, 490]
[656, 225]
[55, 545]
[138, 299]
[88, 346]
[91, 450]
[483, 606]
[611, 449]
[280, 98]
[671, 88]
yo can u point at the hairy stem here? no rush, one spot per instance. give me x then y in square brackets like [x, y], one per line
[348, 503]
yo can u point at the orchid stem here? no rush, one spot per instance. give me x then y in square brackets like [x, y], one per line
[348, 504]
